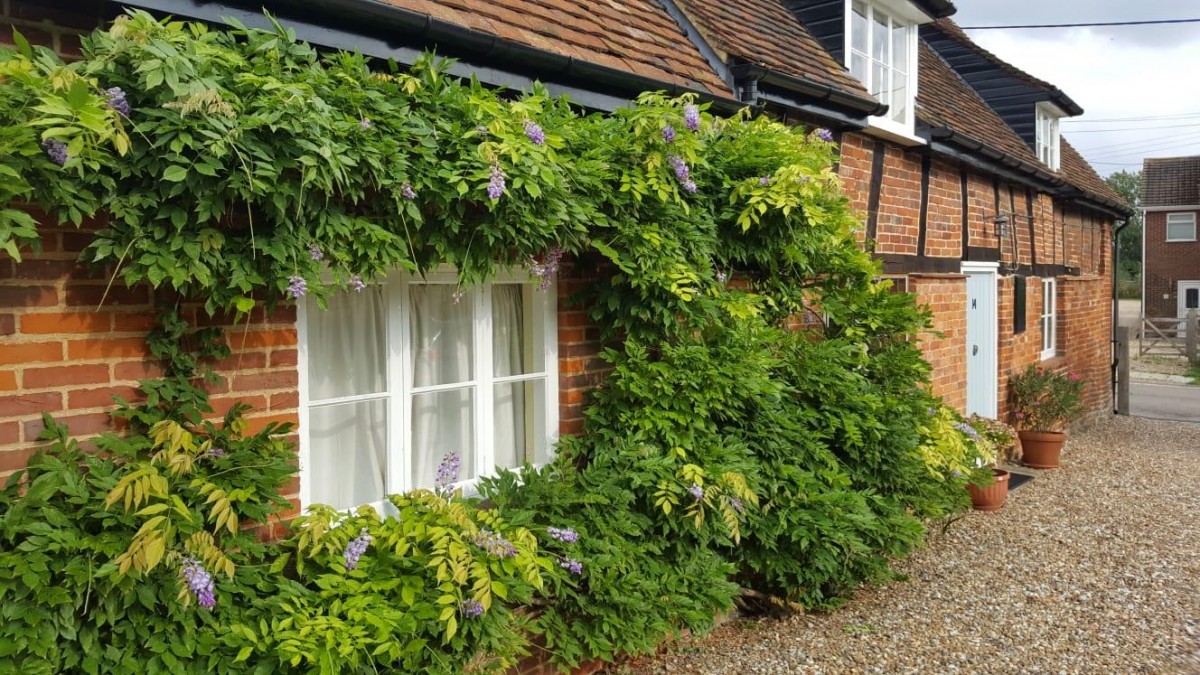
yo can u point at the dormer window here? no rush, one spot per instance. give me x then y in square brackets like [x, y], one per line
[882, 48]
[1047, 135]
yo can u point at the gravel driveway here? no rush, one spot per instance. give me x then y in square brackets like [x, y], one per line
[1093, 568]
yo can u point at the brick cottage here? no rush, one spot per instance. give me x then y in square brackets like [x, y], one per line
[968, 195]
[1170, 249]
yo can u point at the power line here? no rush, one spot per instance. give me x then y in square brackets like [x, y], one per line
[1148, 118]
[1155, 22]
[1101, 131]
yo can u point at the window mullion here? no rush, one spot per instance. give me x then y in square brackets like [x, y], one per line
[485, 447]
[400, 386]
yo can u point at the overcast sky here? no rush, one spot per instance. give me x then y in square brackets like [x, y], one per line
[1111, 72]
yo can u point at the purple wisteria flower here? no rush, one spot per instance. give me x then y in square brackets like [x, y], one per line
[968, 430]
[495, 544]
[825, 135]
[356, 283]
[737, 505]
[365, 123]
[682, 172]
[689, 186]
[407, 191]
[216, 452]
[496, 183]
[356, 547]
[572, 565]
[116, 100]
[57, 150]
[547, 268]
[199, 582]
[696, 492]
[563, 534]
[764, 181]
[315, 252]
[471, 608]
[668, 133]
[447, 472]
[482, 130]
[722, 276]
[691, 117]
[297, 287]
[534, 132]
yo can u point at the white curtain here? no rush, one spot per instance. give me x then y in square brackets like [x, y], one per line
[509, 346]
[441, 332]
[347, 356]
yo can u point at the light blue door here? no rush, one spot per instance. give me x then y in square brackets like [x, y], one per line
[982, 381]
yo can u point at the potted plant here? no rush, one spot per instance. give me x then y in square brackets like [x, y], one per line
[1043, 402]
[996, 440]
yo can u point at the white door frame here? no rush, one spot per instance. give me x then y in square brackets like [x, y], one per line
[1181, 296]
[991, 269]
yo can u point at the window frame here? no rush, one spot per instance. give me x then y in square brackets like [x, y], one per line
[1049, 318]
[896, 17]
[1191, 222]
[1048, 149]
[399, 369]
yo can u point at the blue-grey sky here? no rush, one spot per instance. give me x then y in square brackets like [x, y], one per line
[1114, 73]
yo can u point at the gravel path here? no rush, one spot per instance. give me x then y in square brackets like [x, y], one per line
[1093, 568]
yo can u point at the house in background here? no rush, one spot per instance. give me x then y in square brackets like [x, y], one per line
[1170, 248]
[968, 193]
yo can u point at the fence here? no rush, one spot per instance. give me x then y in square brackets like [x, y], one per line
[1172, 336]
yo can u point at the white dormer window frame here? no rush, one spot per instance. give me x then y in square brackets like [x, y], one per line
[887, 66]
[1046, 135]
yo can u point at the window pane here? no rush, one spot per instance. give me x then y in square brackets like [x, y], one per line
[348, 453]
[858, 28]
[346, 345]
[879, 80]
[900, 47]
[520, 412]
[879, 37]
[517, 346]
[441, 332]
[899, 110]
[858, 67]
[1181, 231]
[443, 422]
[1191, 298]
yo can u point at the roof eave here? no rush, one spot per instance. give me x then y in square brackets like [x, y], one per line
[823, 94]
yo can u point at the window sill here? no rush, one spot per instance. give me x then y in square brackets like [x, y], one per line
[1049, 356]
[1181, 241]
[892, 130]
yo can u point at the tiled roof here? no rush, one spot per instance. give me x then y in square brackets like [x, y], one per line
[1074, 169]
[637, 36]
[945, 99]
[764, 32]
[1171, 181]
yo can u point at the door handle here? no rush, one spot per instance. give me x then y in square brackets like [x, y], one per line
[974, 350]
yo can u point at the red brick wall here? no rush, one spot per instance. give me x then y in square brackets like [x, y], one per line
[1084, 335]
[1167, 263]
[43, 24]
[946, 295]
[64, 353]
[579, 366]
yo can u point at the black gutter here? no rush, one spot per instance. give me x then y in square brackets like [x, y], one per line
[362, 23]
[1025, 172]
[837, 121]
[820, 93]
[938, 9]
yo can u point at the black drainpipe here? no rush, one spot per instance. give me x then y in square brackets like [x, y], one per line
[1116, 307]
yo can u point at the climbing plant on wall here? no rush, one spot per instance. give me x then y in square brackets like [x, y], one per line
[727, 449]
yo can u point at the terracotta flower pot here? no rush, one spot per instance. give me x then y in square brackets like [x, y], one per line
[1041, 449]
[992, 497]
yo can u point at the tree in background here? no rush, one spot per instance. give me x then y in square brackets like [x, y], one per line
[1128, 184]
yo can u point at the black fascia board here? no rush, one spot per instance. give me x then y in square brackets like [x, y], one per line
[937, 9]
[359, 26]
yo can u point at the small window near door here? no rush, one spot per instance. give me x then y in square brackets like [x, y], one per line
[1181, 227]
[1049, 318]
[1191, 298]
